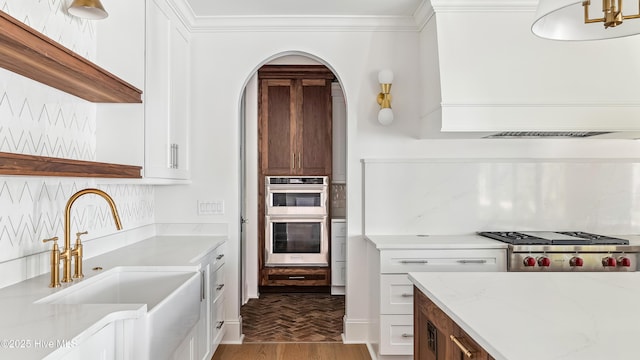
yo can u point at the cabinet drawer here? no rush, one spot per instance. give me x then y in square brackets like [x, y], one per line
[396, 294]
[217, 324]
[218, 257]
[404, 261]
[296, 276]
[217, 283]
[396, 337]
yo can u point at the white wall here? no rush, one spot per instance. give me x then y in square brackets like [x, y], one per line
[224, 61]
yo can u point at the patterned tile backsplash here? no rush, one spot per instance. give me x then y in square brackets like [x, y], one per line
[33, 210]
[38, 120]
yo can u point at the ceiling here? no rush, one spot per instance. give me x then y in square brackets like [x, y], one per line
[222, 8]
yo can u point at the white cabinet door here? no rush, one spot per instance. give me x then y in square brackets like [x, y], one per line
[338, 273]
[203, 342]
[186, 350]
[120, 127]
[166, 95]
[338, 256]
[100, 346]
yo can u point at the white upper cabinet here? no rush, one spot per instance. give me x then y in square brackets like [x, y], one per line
[146, 44]
[120, 50]
[166, 95]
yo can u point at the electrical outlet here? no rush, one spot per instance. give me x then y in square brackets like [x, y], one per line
[210, 207]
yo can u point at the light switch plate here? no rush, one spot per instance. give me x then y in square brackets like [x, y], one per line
[210, 207]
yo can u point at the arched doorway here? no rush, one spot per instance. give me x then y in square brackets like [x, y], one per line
[249, 177]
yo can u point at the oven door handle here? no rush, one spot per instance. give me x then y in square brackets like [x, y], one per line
[297, 188]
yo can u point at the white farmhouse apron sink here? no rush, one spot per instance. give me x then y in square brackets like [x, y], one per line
[172, 299]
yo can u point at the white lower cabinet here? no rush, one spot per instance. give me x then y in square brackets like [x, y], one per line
[396, 334]
[206, 335]
[126, 339]
[391, 329]
[217, 328]
[338, 256]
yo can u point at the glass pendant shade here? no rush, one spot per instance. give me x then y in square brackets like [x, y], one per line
[88, 9]
[385, 77]
[385, 116]
[564, 20]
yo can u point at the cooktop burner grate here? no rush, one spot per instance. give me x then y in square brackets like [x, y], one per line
[563, 238]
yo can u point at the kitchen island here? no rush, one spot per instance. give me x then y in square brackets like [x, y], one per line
[542, 315]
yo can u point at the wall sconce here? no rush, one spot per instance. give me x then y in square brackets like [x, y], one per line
[569, 20]
[88, 9]
[385, 115]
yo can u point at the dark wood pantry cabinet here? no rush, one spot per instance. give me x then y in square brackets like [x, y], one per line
[295, 120]
[294, 138]
[437, 337]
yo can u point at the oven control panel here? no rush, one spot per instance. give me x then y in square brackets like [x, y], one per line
[542, 261]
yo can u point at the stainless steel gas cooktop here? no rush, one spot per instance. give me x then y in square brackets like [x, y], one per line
[566, 251]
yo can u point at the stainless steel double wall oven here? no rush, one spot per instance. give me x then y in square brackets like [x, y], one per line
[296, 221]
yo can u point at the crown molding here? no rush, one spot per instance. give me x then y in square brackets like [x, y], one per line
[482, 5]
[200, 24]
[303, 23]
[423, 14]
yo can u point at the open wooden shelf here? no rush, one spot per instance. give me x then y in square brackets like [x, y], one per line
[27, 52]
[19, 164]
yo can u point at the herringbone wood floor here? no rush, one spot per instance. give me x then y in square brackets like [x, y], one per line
[293, 326]
[293, 317]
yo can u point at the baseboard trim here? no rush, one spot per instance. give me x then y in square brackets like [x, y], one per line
[233, 334]
[372, 352]
[356, 331]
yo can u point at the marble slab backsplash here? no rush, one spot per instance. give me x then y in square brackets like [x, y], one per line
[438, 196]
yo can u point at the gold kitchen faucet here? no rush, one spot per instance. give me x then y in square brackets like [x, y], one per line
[67, 253]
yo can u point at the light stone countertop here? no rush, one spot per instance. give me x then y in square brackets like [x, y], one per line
[463, 241]
[533, 316]
[26, 329]
[432, 242]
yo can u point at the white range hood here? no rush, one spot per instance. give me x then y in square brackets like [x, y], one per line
[486, 74]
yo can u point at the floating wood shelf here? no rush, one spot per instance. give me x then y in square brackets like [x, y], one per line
[27, 52]
[19, 164]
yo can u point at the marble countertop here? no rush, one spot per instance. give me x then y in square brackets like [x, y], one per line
[551, 316]
[432, 242]
[27, 329]
[463, 241]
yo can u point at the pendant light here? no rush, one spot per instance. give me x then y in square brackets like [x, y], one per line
[586, 19]
[88, 9]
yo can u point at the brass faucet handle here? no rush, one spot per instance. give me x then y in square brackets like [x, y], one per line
[54, 239]
[78, 254]
[78, 234]
[55, 262]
